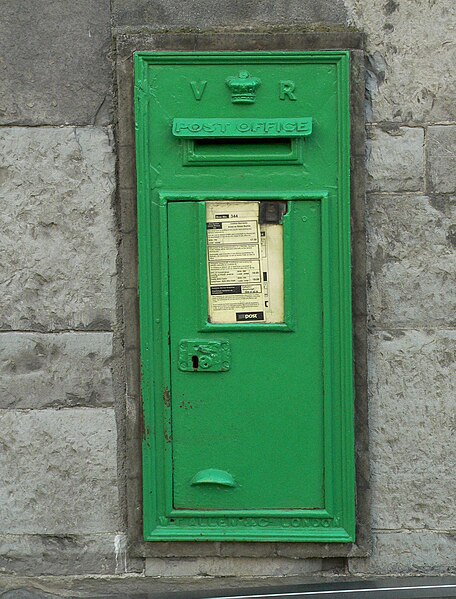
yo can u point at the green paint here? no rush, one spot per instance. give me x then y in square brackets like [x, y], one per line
[204, 356]
[257, 128]
[243, 88]
[212, 476]
[279, 422]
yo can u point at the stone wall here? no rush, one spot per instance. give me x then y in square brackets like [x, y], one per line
[60, 508]
[411, 214]
[63, 291]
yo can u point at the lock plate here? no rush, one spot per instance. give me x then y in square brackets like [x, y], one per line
[204, 356]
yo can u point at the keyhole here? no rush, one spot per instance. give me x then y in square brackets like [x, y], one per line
[195, 362]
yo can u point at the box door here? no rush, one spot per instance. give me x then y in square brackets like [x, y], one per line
[250, 437]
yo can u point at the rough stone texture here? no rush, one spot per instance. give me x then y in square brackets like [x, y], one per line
[61, 555]
[60, 500]
[58, 469]
[442, 158]
[412, 426]
[412, 262]
[141, 587]
[56, 236]
[231, 566]
[173, 14]
[128, 212]
[395, 159]
[411, 56]
[55, 66]
[408, 553]
[55, 370]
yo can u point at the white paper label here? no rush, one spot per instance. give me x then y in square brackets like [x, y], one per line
[244, 265]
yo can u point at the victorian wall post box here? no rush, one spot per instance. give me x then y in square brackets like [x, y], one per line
[244, 263]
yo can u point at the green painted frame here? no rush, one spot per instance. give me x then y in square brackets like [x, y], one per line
[335, 524]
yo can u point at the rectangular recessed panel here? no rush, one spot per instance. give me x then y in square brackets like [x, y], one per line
[261, 421]
[234, 151]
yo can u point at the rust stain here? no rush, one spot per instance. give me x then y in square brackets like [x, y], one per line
[166, 397]
[168, 438]
[186, 405]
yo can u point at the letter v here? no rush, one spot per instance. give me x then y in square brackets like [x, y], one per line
[198, 88]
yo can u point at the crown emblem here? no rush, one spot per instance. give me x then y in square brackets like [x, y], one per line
[243, 88]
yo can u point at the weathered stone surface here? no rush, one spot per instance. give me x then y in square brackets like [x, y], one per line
[128, 211]
[411, 57]
[441, 158]
[142, 587]
[55, 66]
[183, 549]
[55, 370]
[395, 159]
[24, 593]
[58, 469]
[131, 316]
[231, 566]
[412, 413]
[204, 13]
[411, 262]
[127, 167]
[56, 233]
[60, 555]
[408, 553]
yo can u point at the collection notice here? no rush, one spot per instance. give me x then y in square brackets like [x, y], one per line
[244, 265]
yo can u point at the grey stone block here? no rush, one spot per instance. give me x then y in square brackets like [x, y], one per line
[395, 159]
[128, 211]
[412, 424]
[129, 252]
[125, 129]
[231, 566]
[61, 555]
[142, 587]
[127, 167]
[133, 375]
[55, 370]
[183, 549]
[411, 58]
[24, 593]
[131, 317]
[57, 231]
[441, 158]
[55, 65]
[58, 469]
[204, 13]
[251, 550]
[411, 262]
[408, 553]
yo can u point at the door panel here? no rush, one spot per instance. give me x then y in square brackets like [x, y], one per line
[259, 424]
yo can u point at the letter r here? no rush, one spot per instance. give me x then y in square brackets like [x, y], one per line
[286, 89]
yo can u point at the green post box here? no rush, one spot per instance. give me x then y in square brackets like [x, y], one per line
[244, 250]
